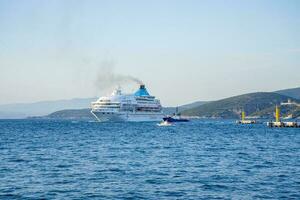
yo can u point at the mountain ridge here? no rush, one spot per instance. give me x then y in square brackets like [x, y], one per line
[291, 92]
[44, 108]
[231, 107]
[23, 110]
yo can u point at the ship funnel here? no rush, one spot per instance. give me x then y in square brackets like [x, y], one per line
[142, 91]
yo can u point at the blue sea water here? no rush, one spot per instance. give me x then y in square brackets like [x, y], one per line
[203, 159]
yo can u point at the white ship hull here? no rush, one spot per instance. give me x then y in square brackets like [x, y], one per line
[137, 107]
[130, 117]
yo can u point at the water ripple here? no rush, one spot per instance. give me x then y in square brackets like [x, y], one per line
[205, 159]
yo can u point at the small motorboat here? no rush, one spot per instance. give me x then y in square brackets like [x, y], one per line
[165, 123]
[175, 119]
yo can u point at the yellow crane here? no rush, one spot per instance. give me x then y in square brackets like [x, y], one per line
[244, 120]
[243, 115]
[277, 114]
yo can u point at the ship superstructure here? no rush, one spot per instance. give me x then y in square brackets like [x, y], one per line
[140, 106]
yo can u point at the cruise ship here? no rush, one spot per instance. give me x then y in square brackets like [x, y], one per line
[137, 107]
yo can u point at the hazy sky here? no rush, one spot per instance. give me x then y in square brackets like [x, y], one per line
[183, 50]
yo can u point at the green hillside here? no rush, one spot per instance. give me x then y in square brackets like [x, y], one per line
[78, 114]
[231, 107]
[284, 111]
[260, 104]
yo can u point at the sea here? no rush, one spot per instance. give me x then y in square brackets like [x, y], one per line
[201, 159]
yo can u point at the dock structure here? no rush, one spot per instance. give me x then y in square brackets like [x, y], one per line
[280, 124]
[244, 120]
[283, 124]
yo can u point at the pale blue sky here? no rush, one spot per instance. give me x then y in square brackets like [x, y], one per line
[183, 50]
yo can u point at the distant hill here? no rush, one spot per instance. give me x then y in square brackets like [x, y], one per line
[231, 107]
[22, 110]
[171, 110]
[293, 92]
